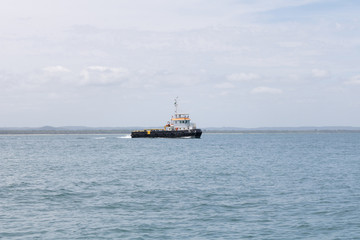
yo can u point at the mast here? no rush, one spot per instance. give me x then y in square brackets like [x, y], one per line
[176, 104]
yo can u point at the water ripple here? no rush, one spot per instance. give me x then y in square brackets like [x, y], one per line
[223, 186]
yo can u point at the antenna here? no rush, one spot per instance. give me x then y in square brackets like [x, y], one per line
[176, 104]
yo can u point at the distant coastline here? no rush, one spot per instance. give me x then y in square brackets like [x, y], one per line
[127, 130]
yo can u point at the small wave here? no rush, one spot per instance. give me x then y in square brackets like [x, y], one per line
[100, 138]
[125, 136]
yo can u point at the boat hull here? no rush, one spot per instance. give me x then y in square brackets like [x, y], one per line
[193, 133]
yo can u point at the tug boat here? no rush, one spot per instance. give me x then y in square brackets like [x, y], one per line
[179, 126]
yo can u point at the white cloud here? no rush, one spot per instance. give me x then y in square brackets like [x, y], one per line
[266, 90]
[224, 85]
[239, 77]
[50, 74]
[55, 69]
[7, 80]
[319, 73]
[102, 75]
[293, 44]
[355, 80]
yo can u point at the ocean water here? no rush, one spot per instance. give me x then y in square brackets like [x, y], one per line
[222, 186]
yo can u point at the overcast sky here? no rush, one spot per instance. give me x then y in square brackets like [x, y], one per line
[232, 63]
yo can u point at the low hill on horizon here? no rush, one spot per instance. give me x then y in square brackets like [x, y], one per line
[304, 128]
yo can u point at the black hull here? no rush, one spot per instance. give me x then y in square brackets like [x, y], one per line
[194, 133]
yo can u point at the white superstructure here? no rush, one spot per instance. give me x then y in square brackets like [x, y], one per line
[180, 121]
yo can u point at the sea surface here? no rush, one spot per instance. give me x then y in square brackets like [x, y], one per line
[222, 186]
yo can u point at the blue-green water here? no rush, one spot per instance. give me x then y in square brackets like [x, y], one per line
[223, 186]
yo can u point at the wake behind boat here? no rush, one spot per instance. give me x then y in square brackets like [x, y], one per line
[180, 126]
